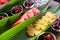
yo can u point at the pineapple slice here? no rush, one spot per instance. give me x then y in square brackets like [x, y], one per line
[41, 24]
[31, 31]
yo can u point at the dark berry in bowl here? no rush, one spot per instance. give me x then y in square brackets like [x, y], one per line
[3, 15]
[28, 4]
[46, 36]
[56, 25]
[17, 9]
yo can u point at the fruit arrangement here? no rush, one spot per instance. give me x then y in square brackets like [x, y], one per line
[20, 16]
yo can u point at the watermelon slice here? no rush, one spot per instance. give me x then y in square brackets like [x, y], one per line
[30, 13]
[35, 10]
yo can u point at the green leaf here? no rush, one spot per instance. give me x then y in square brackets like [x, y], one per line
[55, 8]
[6, 23]
[9, 5]
[43, 9]
[13, 31]
[13, 18]
[3, 22]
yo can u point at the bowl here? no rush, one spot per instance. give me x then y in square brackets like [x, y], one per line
[28, 5]
[16, 9]
[46, 36]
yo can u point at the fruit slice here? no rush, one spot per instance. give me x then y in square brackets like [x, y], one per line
[26, 16]
[36, 11]
[3, 1]
[30, 13]
[41, 24]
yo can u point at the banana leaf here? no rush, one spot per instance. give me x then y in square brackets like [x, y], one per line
[3, 23]
[9, 5]
[6, 23]
[54, 9]
[13, 18]
[15, 30]
[43, 9]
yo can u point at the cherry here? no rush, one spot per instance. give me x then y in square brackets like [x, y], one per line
[49, 36]
[56, 22]
[28, 4]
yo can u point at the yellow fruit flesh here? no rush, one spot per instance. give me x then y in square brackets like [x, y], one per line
[41, 24]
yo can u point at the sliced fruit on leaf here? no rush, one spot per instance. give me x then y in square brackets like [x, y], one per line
[30, 13]
[13, 31]
[22, 35]
[55, 10]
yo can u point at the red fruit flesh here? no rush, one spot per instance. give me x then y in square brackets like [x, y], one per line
[48, 37]
[4, 1]
[56, 22]
[1, 3]
[35, 11]
[27, 15]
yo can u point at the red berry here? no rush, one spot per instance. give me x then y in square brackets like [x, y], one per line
[28, 4]
[55, 22]
[49, 36]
